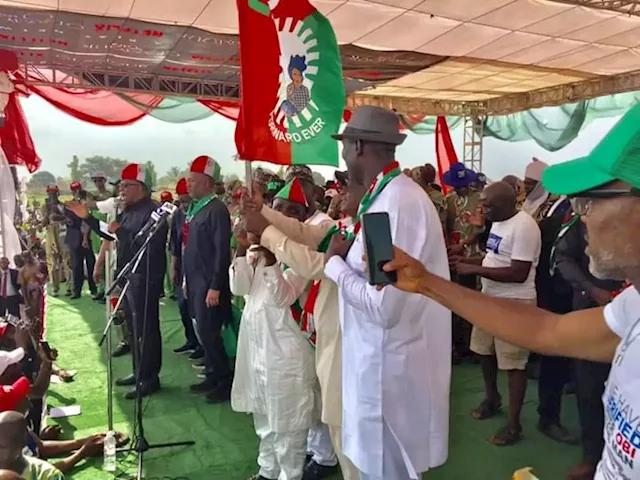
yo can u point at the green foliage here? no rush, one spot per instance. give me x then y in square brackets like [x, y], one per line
[151, 170]
[110, 166]
[41, 180]
[74, 172]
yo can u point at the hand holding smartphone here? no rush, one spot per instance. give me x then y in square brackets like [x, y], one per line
[378, 247]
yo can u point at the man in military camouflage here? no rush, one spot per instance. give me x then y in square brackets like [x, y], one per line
[58, 259]
[461, 235]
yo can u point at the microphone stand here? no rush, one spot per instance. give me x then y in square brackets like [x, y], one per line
[128, 271]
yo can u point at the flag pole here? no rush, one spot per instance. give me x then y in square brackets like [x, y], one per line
[248, 177]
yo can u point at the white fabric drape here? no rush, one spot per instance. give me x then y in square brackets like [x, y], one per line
[9, 238]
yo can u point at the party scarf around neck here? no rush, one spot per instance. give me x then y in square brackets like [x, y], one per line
[389, 172]
[195, 207]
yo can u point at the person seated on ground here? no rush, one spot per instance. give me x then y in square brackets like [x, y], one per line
[13, 440]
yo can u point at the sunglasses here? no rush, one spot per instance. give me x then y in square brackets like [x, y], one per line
[581, 203]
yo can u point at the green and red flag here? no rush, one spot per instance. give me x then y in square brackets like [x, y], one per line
[292, 91]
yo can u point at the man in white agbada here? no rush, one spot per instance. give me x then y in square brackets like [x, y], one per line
[396, 347]
[275, 367]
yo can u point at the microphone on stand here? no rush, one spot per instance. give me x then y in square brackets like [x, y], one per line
[161, 214]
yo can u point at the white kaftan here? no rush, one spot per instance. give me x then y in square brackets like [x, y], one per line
[275, 368]
[396, 347]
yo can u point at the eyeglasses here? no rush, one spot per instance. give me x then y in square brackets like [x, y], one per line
[581, 203]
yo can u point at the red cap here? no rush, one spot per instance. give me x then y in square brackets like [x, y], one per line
[181, 187]
[75, 186]
[12, 395]
[3, 329]
[166, 196]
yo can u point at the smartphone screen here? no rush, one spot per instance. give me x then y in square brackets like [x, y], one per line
[378, 246]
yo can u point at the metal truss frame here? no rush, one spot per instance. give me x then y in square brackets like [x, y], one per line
[630, 7]
[154, 84]
[506, 104]
[472, 142]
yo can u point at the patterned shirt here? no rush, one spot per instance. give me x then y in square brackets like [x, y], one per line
[298, 96]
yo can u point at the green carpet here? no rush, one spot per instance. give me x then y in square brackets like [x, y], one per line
[226, 444]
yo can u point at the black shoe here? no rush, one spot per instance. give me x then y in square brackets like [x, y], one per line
[121, 350]
[147, 388]
[68, 294]
[74, 296]
[203, 387]
[127, 381]
[315, 471]
[197, 354]
[221, 394]
[98, 296]
[558, 433]
[186, 348]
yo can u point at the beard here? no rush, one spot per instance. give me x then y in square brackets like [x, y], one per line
[604, 267]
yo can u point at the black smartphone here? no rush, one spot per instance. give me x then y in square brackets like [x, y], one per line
[378, 247]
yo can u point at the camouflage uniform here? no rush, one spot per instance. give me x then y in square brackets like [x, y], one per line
[58, 256]
[458, 211]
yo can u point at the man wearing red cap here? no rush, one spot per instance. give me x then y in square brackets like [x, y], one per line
[146, 286]
[207, 257]
[176, 271]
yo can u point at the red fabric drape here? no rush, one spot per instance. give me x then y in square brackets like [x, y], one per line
[445, 153]
[15, 138]
[227, 108]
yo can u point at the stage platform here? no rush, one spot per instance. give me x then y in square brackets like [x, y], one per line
[226, 445]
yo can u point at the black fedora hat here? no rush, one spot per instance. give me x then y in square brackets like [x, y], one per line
[373, 124]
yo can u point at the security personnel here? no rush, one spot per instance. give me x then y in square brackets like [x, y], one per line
[206, 260]
[78, 240]
[146, 285]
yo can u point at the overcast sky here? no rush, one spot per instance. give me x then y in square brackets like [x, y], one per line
[58, 137]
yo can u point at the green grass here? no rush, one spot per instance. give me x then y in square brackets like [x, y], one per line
[226, 445]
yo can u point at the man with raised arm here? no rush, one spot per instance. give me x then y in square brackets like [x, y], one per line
[604, 188]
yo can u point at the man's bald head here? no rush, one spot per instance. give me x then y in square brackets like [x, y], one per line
[428, 174]
[499, 201]
[13, 436]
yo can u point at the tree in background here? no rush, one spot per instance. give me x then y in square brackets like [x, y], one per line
[74, 166]
[151, 168]
[41, 180]
[110, 166]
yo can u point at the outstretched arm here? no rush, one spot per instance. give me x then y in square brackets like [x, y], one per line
[310, 235]
[303, 260]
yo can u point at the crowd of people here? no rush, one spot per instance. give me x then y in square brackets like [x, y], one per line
[337, 373]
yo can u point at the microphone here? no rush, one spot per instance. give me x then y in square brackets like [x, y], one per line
[162, 213]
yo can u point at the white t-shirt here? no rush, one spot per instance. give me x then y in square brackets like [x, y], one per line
[621, 455]
[517, 238]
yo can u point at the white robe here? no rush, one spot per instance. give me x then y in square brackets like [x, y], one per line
[275, 368]
[396, 347]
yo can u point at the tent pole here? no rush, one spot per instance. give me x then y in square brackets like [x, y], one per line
[248, 177]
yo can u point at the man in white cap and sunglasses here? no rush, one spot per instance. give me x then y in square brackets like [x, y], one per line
[604, 189]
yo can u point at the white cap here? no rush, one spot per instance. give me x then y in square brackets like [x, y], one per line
[8, 358]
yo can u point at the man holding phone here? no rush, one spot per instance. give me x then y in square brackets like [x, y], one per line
[395, 417]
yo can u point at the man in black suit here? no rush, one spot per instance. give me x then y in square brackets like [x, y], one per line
[78, 240]
[9, 289]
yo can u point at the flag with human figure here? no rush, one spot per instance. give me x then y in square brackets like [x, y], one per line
[292, 91]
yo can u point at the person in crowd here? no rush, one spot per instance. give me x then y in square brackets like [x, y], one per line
[169, 289]
[176, 267]
[10, 297]
[300, 253]
[110, 208]
[323, 459]
[275, 375]
[518, 188]
[100, 194]
[553, 294]
[394, 426]
[428, 182]
[206, 261]
[572, 264]
[604, 188]
[78, 240]
[13, 438]
[462, 239]
[142, 307]
[508, 270]
[58, 259]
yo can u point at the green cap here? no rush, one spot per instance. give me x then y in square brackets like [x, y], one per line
[615, 158]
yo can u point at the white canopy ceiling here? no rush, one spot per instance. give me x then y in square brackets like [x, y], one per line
[477, 50]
